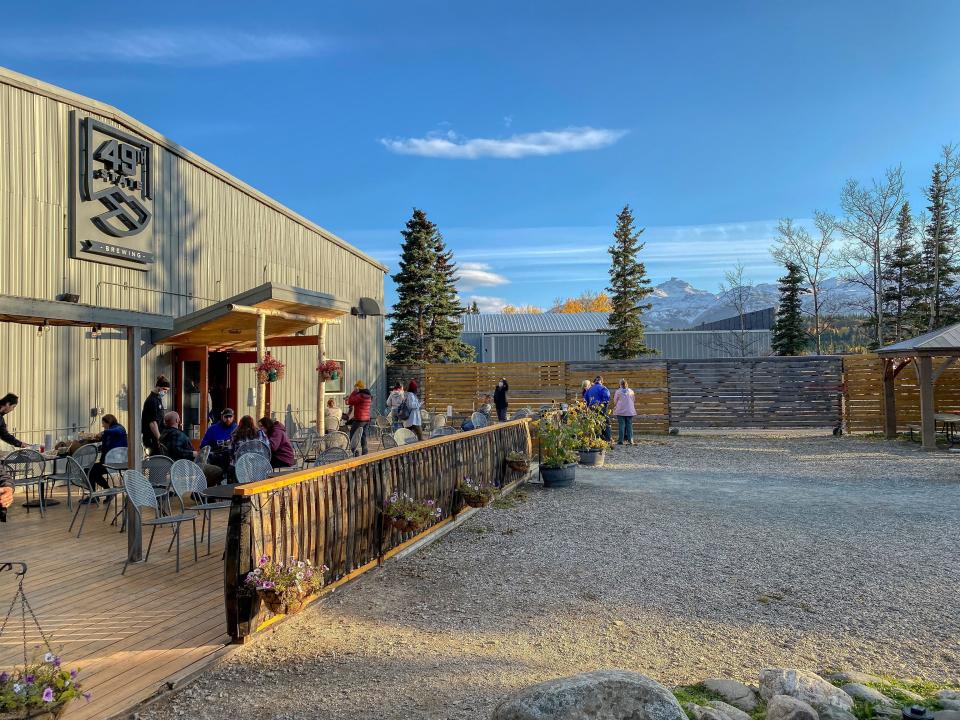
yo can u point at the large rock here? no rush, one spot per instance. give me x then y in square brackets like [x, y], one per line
[706, 713]
[950, 699]
[858, 691]
[599, 695]
[852, 676]
[802, 685]
[784, 707]
[734, 713]
[946, 715]
[832, 712]
[736, 693]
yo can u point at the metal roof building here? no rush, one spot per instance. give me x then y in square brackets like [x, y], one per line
[545, 337]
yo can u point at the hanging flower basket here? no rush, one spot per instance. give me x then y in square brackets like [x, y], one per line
[328, 370]
[518, 461]
[269, 370]
[280, 604]
[475, 494]
[403, 513]
[285, 587]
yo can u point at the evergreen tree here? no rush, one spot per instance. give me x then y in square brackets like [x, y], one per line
[903, 280]
[629, 285]
[789, 331]
[416, 281]
[445, 344]
[474, 308]
[939, 241]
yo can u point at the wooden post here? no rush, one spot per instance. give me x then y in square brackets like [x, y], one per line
[889, 401]
[134, 441]
[927, 419]
[321, 385]
[261, 353]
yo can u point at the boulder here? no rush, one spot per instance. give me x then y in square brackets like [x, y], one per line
[706, 713]
[802, 685]
[852, 676]
[599, 695]
[858, 691]
[948, 695]
[949, 703]
[736, 693]
[784, 707]
[832, 712]
[734, 713]
[946, 715]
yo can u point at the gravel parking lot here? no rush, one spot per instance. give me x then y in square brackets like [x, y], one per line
[686, 557]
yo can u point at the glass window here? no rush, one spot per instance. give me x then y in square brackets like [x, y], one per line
[335, 386]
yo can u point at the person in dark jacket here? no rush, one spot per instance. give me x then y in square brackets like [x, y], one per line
[176, 444]
[114, 435]
[360, 401]
[152, 417]
[598, 398]
[281, 451]
[8, 403]
[500, 399]
[218, 437]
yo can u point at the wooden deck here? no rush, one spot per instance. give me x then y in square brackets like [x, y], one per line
[128, 634]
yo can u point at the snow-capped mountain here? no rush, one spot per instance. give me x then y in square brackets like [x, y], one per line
[677, 305]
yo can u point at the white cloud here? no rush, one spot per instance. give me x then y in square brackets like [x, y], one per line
[477, 274]
[487, 304]
[166, 46]
[449, 145]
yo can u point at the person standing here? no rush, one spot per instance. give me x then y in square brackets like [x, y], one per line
[8, 403]
[360, 401]
[500, 399]
[584, 387]
[394, 400]
[151, 419]
[598, 398]
[625, 411]
[409, 411]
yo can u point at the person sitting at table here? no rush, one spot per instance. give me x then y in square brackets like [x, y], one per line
[332, 416]
[281, 451]
[218, 437]
[114, 435]
[175, 442]
[8, 403]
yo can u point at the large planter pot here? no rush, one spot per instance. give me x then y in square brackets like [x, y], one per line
[592, 457]
[277, 605]
[558, 476]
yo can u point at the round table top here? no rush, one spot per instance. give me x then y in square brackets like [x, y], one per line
[220, 492]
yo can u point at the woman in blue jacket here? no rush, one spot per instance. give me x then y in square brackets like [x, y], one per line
[114, 435]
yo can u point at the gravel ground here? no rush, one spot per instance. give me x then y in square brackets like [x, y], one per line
[686, 557]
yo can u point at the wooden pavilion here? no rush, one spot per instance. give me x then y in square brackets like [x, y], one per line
[921, 352]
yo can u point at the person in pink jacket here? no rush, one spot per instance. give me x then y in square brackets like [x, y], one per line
[625, 411]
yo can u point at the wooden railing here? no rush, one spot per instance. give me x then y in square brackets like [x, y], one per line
[331, 514]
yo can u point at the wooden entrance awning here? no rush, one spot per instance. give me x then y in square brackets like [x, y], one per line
[232, 323]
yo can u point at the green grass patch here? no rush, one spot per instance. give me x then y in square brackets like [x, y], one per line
[893, 688]
[862, 710]
[698, 694]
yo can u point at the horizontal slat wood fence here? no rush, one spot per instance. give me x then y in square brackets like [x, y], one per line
[330, 514]
[864, 395]
[459, 384]
[647, 378]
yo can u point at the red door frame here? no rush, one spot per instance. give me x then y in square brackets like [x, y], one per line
[191, 354]
[233, 383]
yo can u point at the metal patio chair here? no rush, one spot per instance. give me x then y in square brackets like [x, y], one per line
[404, 436]
[336, 439]
[156, 469]
[253, 467]
[439, 421]
[387, 441]
[27, 468]
[190, 484]
[203, 455]
[445, 430]
[521, 413]
[479, 420]
[141, 495]
[255, 447]
[332, 455]
[86, 456]
[80, 478]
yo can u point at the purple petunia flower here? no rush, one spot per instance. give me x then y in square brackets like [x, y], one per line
[30, 679]
[4, 677]
[73, 674]
[56, 661]
[87, 696]
[264, 560]
[48, 695]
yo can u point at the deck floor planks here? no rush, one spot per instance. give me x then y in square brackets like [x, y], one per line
[127, 633]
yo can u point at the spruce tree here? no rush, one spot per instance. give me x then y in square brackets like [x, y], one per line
[629, 285]
[474, 308]
[940, 236]
[903, 279]
[789, 331]
[416, 282]
[445, 309]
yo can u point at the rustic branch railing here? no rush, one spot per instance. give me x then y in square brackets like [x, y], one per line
[331, 514]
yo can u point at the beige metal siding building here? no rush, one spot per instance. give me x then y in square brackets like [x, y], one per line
[213, 237]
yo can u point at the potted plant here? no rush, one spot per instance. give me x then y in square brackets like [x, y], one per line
[558, 459]
[588, 425]
[476, 494]
[284, 588]
[269, 370]
[518, 461]
[40, 689]
[329, 370]
[404, 513]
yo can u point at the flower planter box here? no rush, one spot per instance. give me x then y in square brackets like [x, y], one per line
[477, 501]
[558, 476]
[278, 606]
[402, 525]
[521, 466]
[592, 457]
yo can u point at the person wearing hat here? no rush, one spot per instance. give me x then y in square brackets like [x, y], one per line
[360, 401]
[151, 419]
[217, 437]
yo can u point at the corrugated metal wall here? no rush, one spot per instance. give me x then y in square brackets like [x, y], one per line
[573, 347]
[214, 239]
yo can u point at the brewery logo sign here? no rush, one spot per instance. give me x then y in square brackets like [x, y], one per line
[112, 203]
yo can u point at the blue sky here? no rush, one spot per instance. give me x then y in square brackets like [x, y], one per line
[522, 127]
